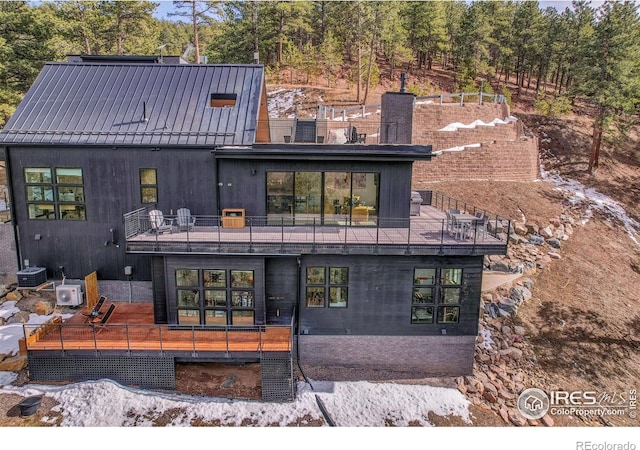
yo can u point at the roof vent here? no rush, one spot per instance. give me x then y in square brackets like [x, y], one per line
[144, 112]
[403, 81]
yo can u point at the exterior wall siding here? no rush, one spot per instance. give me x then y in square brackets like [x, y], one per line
[111, 188]
[427, 355]
[380, 297]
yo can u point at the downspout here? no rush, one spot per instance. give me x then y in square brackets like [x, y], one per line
[216, 170]
[7, 169]
[297, 322]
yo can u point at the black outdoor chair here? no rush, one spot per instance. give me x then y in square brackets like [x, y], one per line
[95, 312]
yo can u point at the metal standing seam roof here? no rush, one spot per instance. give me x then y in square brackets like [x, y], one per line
[106, 104]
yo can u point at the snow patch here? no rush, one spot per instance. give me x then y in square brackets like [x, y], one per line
[476, 123]
[595, 201]
[487, 341]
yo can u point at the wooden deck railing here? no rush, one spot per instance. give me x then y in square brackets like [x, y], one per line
[57, 336]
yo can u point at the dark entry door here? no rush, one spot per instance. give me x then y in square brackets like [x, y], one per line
[281, 288]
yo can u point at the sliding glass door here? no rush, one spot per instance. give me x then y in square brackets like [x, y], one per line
[324, 197]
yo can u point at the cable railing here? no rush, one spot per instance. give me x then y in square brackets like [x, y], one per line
[163, 339]
[347, 234]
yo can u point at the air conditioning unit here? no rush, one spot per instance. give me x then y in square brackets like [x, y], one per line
[69, 295]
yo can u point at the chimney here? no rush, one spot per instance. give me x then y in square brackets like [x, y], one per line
[396, 122]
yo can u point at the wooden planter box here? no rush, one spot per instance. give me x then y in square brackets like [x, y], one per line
[233, 218]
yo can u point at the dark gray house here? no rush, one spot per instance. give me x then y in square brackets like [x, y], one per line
[264, 251]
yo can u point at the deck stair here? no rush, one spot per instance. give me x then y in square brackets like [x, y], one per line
[277, 377]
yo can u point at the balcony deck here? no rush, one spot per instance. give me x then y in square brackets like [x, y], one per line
[130, 330]
[429, 233]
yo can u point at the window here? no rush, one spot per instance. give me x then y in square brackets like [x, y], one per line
[215, 296]
[324, 197]
[319, 285]
[52, 197]
[148, 186]
[436, 290]
[223, 100]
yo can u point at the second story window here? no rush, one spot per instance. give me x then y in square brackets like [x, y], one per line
[148, 186]
[55, 193]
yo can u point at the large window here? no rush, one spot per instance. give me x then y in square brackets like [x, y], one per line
[215, 297]
[327, 286]
[436, 295]
[55, 193]
[148, 186]
[328, 197]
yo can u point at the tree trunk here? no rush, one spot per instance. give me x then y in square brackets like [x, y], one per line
[358, 74]
[196, 44]
[280, 36]
[594, 158]
[369, 64]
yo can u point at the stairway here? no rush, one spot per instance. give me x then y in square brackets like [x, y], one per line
[277, 377]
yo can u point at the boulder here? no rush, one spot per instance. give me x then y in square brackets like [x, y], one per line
[520, 294]
[13, 364]
[553, 242]
[554, 255]
[517, 419]
[19, 317]
[532, 228]
[499, 266]
[568, 229]
[546, 232]
[546, 420]
[44, 308]
[14, 296]
[520, 229]
[536, 239]
[517, 329]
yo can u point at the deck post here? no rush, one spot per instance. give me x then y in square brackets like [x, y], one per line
[250, 234]
[408, 251]
[193, 341]
[219, 240]
[61, 339]
[282, 234]
[126, 331]
[313, 245]
[160, 338]
[346, 230]
[226, 337]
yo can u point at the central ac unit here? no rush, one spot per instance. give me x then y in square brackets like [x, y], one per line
[69, 295]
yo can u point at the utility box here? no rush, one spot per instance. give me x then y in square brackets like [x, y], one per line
[233, 218]
[31, 277]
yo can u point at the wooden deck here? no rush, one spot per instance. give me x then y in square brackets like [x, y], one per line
[131, 328]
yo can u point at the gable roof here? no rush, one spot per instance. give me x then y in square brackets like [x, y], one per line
[107, 104]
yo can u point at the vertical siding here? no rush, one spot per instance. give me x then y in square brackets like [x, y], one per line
[380, 297]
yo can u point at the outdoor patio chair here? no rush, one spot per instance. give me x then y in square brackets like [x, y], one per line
[481, 224]
[95, 312]
[159, 224]
[104, 318]
[186, 221]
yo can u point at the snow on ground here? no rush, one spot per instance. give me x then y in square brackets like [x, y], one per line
[457, 125]
[349, 404]
[282, 100]
[10, 334]
[595, 201]
[457, 148]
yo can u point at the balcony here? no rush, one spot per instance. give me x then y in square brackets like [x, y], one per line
[131, 331]
[431, 232]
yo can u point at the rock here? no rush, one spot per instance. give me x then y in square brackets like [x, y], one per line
[462, 388]
[568, 229]
[490, 396]
[2, 321]
[546, 420]
[19, 317]
[520, 229]
[4, 290]
[13, 364]
[515, 353]
[520, 294]
[553, 242]
[504, 414]
[515, 239]
[528, 283]
[517, 419]
[481, 376]
[517, 329]
[532, 228]
[533, 422]
[44, 308]
[499, 266]
[14, 296]
[536, 239]
[508, 306]
[546, 232]
[554, 255]
[506, 329]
